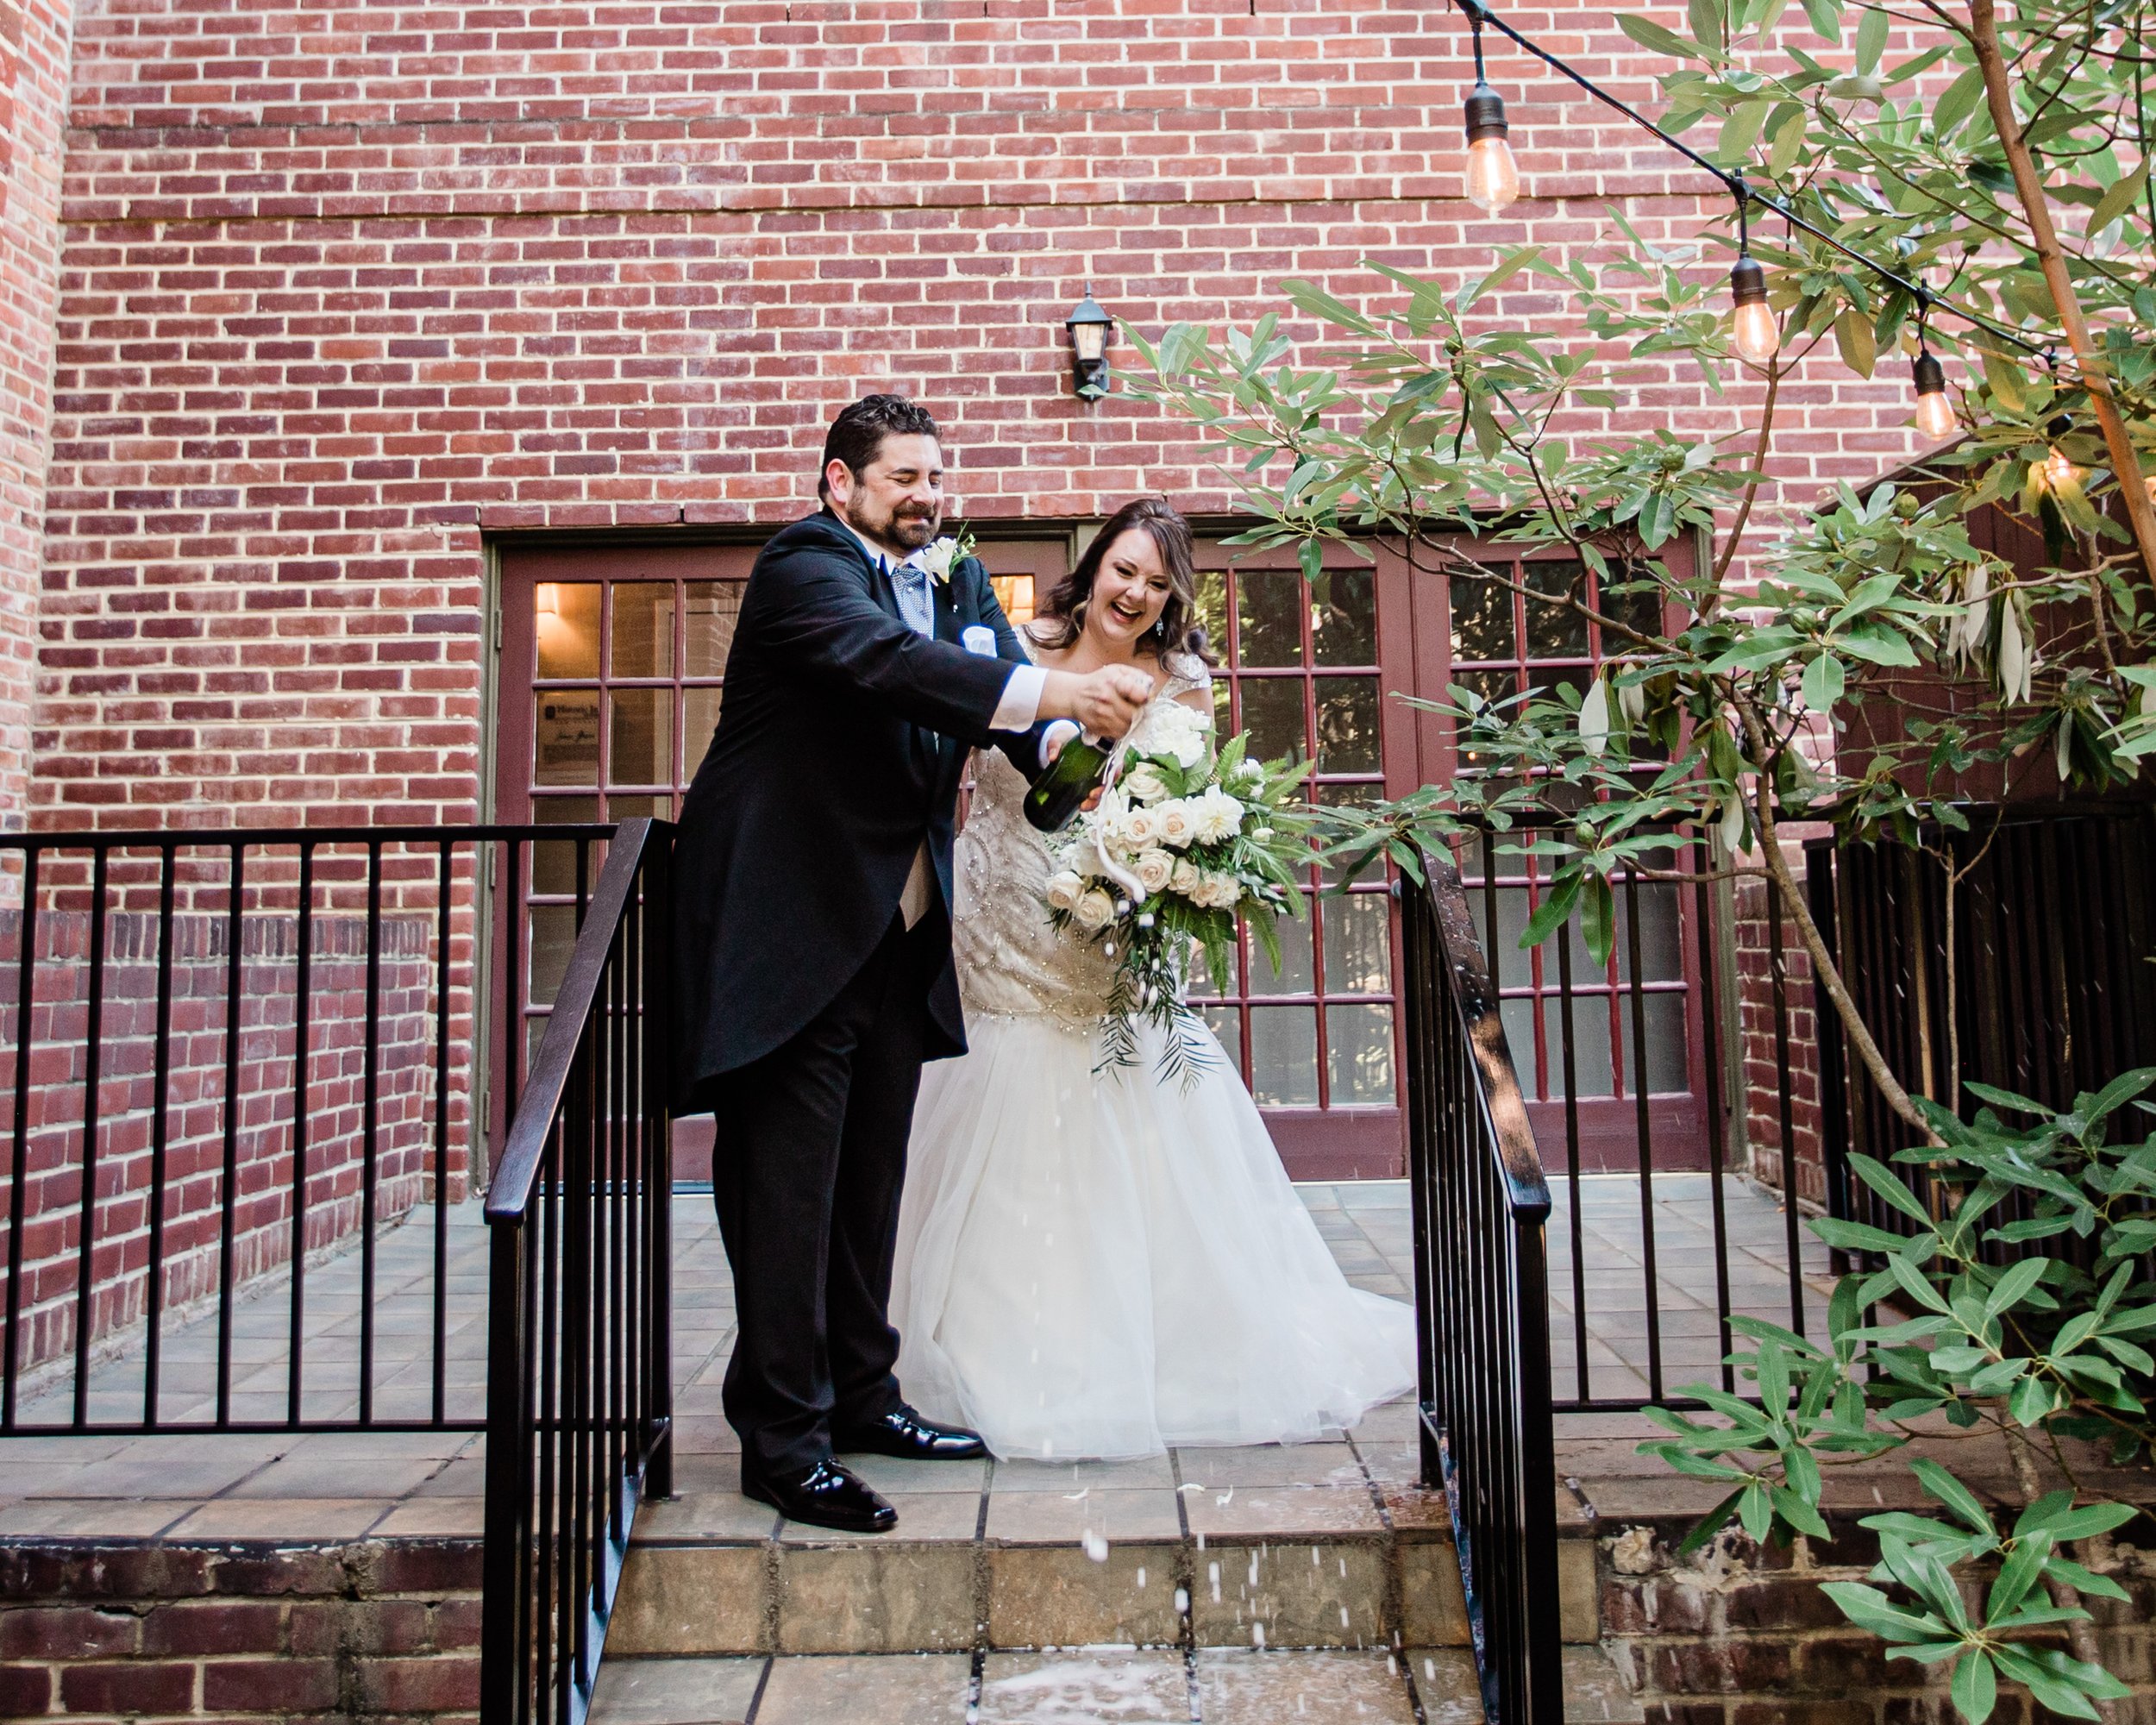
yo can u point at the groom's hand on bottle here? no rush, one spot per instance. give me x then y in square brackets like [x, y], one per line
[1106, 702]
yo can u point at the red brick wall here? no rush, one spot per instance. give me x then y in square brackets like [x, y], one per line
[237, 1631]
[345, 287]
[34, 96]
[1774, 1076]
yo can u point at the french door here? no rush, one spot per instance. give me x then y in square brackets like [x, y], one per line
[609, 682]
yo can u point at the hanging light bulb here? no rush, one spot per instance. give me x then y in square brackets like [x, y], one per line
[1493, 177]
[1934, 413]
[2059, 471]
[1755, 334]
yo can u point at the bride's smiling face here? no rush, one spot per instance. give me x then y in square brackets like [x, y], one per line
[1130, 591]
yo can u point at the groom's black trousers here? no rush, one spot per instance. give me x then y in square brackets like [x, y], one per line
[806, 1169]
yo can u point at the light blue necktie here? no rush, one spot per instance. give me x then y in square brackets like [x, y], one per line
[909, 580]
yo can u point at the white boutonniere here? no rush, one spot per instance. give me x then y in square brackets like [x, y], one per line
[941, 556]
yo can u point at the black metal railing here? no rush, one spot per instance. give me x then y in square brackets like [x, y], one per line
[579, 1392]
[243, 1118]
[1481, 1208]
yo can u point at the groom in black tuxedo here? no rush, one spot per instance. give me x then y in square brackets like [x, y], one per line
[813, 873]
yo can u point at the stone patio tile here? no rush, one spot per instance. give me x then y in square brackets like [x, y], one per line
[1310, 1688]
[864, 1595]
[940, 1515]
[703, 1435]
[1055, 1518]
[705, 1515]
[118, 1518]
[1269, 1594]
[837, 1690]
[1283, 1511]
[715, 1691]
[690, 1599]
[282, 1518]
[195, 1465]
[1026, 1474]
[462, 1476]
[1114, 1686]
[1061, 1597]
[427, 1518]
[1445, 1682]
[1328, 1464]
[319, 1476]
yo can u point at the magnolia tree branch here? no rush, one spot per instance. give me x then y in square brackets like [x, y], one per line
[1982, 36]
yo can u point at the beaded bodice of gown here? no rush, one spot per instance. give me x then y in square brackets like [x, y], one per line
[1011, 960]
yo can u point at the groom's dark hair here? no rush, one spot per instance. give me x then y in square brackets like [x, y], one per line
[857, 434]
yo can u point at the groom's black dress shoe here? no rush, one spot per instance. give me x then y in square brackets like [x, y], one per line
[904, 1433]
[825, 1495]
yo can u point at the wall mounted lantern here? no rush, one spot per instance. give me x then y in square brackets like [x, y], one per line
[1090, 328]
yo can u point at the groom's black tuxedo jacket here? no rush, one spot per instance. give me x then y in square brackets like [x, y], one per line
[840, 739]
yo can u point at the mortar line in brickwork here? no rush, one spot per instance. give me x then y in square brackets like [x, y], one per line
[1555, 201]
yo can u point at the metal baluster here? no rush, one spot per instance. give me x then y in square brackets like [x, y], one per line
[160, 1100]
[303, 1056]
[1792, 1237]
[93, 1056]
[1709, 1007]
[228, 1191]
[442, 1136]
[370, 1081]
[1643, 1115]
[18, 1184]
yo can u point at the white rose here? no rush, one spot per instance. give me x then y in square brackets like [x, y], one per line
[1154, 869]
[1222, 892]
[1095, 910]
[937, 558]
[1065, 887]
[1140, 830]
[1215, 816]
[1186, 878]
[1176, 827]
[1145, 785]
[1174, 729]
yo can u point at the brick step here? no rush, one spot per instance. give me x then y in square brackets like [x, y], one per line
[1296, 1547]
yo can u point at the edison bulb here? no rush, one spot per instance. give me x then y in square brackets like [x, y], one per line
[1493, 177]
[1758, 337]
[2058, 472]
[1935, 416]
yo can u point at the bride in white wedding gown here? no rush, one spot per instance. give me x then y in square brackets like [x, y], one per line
[1105, 1263]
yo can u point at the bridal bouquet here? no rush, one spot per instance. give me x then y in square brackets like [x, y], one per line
[1183, 841]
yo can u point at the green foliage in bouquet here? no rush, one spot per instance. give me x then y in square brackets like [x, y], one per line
[1184, 842]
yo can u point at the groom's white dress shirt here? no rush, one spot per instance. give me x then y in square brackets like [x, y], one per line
[1017, 709]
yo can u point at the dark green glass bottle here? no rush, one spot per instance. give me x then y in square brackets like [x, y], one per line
[1060, 792]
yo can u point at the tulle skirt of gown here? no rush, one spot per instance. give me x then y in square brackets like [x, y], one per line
[1105, 1264]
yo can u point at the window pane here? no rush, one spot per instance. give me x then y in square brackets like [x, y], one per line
[700, 718]
[1640, 609]
[644, 630]
[1198, 984]
[642, 749]
[1359, 1052]
[565, 737]
[553, 861]
[1666, 1073]
[1509, 966]
[1284, 1056]
[1481, 619]
[1590, 1055]
[1491, 686]
[1344, 618]
[1225, 1023]
[1293, 976]
[1517, 1014]
[1661, 948]
[620, 807]
[566, 620]
[1347, 724]
[1212, 609]
[1270, 604]
[1272, 714]
[1547, 680]
[553, 939]
[713, 608]
[1556, 632]
[1358, 944]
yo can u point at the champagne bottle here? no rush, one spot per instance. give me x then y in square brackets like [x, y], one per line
[1071, 777]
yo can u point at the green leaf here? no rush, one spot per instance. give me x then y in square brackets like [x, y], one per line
[1598, 919]
[1551, 912]
[2118, 200]
[1825, 17]
[2021, 1571]
[1823, 682]
[1649, 34]
[1953, 1493]
[1884, 1180]
[1871, 40]
[1958, 101]
[1976, 1686]
[2013, 1287]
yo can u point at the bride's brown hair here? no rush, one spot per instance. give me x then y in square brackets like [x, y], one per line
[1061, 618]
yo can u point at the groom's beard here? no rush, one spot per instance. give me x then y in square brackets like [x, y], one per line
[902, 531]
